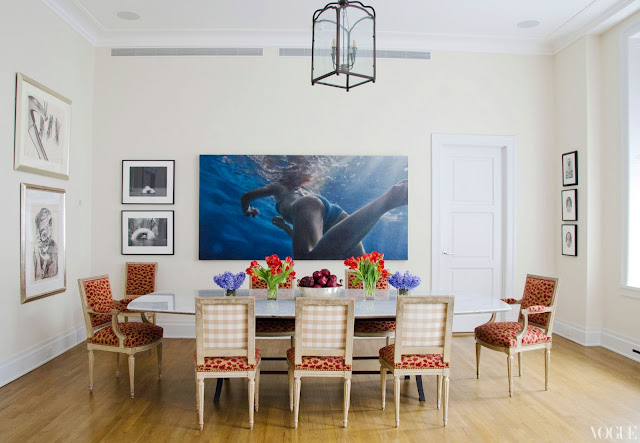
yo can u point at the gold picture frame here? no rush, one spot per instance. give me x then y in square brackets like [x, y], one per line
[42, 242]
[43, 129]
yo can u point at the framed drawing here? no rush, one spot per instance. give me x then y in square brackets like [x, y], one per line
[43, 129]
[245, 206]
[147, 232]
[42, 246]
[570, 240]
[570, 205]
[570, 168]
[148, 182]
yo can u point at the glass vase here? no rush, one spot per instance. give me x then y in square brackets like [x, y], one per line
[369, 288]
[272, 292]
[230, 293]
[403, 291]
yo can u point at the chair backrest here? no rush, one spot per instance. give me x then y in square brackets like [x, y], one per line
[225, 327]
[140, 279]
[540, 291]
[324, 328]
[96, 296]
[424, 326]
[261, 284]
[349, 276]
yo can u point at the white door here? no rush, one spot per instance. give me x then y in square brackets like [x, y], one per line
[469, 219]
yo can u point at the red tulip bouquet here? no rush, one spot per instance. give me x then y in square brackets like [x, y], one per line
[275, 273]
[368, 269]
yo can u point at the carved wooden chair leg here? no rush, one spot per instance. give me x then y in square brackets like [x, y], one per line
[519, 364]
[509, 360]
[383, 385]
[132, 365]
[90, 371]
[478, 350]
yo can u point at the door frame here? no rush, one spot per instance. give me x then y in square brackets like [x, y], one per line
[507, 144]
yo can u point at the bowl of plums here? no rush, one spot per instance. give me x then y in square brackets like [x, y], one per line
[321, 284]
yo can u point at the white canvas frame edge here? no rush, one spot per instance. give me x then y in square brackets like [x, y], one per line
[24, 188]
[126, 176]
[152, 250]
[574, 196]
[23, 163]
[575, 167]
[575, 239]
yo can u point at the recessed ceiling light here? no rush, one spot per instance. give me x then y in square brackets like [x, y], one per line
[128, 15]
[528, 24]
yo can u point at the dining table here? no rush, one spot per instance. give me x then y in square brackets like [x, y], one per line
[381, 306]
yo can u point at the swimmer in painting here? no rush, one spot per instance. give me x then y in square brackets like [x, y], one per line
[319, 229]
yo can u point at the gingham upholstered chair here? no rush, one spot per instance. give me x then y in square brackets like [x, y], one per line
[371, 328]
[226, 346]
[140, 279]
[104, 333]
[532, 330]
[422, 346]
[324, 346]
[274, 327]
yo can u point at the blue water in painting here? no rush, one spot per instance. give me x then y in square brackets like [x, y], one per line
[349, 181]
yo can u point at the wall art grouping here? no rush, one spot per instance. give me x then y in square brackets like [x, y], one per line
[42, 132]
[42, 245]
[308, 207]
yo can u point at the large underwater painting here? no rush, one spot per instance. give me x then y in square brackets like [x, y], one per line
[309, 207]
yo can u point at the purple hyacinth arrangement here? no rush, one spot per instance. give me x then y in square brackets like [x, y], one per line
[229, 281]
[404, 282]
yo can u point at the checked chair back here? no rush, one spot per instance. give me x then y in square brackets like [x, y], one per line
[225, 327]
[423, 326]
[324, 327]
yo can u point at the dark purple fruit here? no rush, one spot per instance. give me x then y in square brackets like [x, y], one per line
[325, 272]
[317, 275]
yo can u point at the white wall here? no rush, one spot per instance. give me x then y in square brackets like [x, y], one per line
[180, 107]
[621, 313]
[40, 45]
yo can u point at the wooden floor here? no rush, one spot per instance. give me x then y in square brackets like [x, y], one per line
[590, 387]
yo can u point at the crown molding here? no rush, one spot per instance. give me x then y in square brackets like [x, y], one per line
[596, 18]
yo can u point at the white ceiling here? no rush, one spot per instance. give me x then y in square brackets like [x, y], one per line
[465, 25]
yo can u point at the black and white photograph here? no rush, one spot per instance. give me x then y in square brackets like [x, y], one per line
[42, 132]
[570, 205]
[147, 232]
[148, 182]
[42, 252]
[570, 168]
[570, 240]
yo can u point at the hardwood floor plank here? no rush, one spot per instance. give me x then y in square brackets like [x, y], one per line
[589, 387]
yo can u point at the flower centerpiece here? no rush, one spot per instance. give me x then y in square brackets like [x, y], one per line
[229, 281]
[275, 273]
[404, 282]
[368, 269]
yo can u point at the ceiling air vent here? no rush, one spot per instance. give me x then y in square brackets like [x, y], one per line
[173, 52]
[407, 55]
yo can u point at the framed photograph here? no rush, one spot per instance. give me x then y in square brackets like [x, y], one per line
[570, 240]
[244, 203]
[570, 205]
[148, 182]
[42, 247]
[147, 232]
[43, 129]
[570, 168]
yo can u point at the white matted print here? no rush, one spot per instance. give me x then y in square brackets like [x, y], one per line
[570, 205]
[570, 168]
[42, 235]
[570, 240]
[147, 233]
[43, 129]
[148, 181]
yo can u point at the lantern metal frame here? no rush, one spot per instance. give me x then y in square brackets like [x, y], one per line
[336, 56]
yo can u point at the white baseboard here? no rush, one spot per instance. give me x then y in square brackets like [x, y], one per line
[178, 328]
[37, 355]
[598, 337]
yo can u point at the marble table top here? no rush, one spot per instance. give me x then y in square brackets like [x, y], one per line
[383, 305]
